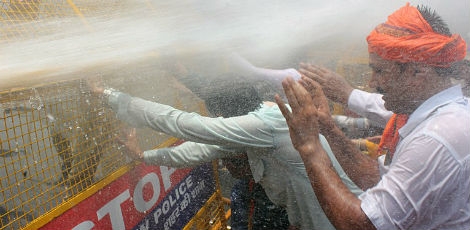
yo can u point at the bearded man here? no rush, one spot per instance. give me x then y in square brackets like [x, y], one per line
[421, 179]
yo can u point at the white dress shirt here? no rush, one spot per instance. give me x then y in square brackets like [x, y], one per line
[427, 185]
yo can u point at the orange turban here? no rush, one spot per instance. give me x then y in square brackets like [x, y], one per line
[407, 37]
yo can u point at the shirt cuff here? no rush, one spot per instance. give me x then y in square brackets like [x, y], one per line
[354, 100]
[111, 97]
[293, 73]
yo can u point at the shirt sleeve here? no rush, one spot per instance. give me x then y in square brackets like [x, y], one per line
[234, 132]
[276, 76]
[188, 154]
[369, 105]
[273, 76]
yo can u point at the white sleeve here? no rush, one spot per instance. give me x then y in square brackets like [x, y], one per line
[233, 132]
[369, 105]
[274, 76]
[188, 154]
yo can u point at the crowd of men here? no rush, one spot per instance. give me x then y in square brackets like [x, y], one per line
[309, 167]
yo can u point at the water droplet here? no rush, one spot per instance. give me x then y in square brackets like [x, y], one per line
[50, 117]
[35, 100]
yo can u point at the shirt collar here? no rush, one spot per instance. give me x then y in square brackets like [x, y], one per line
[422, 112]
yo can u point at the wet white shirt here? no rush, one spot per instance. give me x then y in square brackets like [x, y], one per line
[427, 185]
[262, 134]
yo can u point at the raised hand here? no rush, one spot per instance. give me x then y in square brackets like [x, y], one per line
[303, 120]
[96, 85]
[131, 143]
[335, 87]
[320, 101]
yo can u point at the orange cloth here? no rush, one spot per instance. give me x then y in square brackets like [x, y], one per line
[407, 37]
[390, 136]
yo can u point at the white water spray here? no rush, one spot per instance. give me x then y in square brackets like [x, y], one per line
[260, 30]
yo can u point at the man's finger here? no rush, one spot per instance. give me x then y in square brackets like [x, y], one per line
[308, 74]
[314, 68]
[282, 106]
[133, 132]
[290, 94]
[307, 84]
[316, 87]
[302, 95]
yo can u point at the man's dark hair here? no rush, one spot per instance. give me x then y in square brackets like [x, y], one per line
[235, 100]
[439, 26]
[434, 20]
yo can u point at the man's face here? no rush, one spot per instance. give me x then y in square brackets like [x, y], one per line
[393, 81]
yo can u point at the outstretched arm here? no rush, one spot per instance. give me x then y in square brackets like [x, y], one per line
[340, 205]
[274, 76]
[242, 131]
[187, 154]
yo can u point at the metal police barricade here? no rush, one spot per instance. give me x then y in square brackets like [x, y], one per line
[62, 168]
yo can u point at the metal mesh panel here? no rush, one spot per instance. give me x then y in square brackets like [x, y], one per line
[53, 141]
[57, 141]
[25, 18]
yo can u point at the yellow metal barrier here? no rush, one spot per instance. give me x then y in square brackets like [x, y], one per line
[212, 215]
[20, 19]
[57, 140]
[58, 148]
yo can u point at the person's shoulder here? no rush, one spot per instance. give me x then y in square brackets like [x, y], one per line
[451, 122]
[450, 126]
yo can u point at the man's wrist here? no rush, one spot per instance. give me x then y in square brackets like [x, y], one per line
[347, 94]
[107, 92]
[327, 125]
[307, 149]
[141, 155]
[360, 143]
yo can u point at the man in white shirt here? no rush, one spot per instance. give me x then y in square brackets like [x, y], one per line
[262, 134]
[421, 180]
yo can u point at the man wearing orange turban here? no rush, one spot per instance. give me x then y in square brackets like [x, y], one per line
[421, 181]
